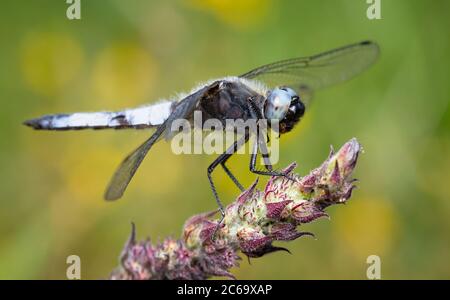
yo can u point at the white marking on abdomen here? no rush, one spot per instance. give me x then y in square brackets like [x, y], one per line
[149, 115]
[142, 117]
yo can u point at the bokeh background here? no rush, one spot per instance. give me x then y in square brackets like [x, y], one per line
[127, 53]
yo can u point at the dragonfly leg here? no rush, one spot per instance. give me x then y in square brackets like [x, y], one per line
[256, 113]
[231, 150]
[265, 155]
[232, 177]
[270, 172]
[215, 163]
[221, 160]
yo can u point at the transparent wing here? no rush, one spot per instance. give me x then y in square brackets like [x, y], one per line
[129, 166]
[131, 163]
[307, 74]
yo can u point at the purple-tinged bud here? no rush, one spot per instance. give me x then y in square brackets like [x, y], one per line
[306, 211]
[286, 232]
[251, 241]
[275, 209]
[347, 157]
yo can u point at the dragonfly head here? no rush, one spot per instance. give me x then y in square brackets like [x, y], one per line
[284, 105]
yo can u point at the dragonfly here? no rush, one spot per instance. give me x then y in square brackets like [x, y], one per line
[278, 91]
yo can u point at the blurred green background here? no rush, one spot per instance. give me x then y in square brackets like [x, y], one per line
[127, 53]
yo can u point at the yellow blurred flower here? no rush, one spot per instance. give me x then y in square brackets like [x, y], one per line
[87, 173]
[240, 13]
[160, 173]
[434, 166]
[50, 61]
[366, 226]
[125, 73]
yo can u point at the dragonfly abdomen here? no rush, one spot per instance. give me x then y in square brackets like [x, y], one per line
[138, 118]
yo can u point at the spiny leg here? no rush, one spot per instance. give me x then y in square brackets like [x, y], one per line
[232, 177]
[260, 143]
[256, 113]
[231, 150]
[221, 160]
[265, 155]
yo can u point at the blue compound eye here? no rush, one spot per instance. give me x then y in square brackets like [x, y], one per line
[290, 92]
[277, 104]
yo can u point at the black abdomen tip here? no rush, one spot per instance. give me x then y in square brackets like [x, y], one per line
[34, 123]
[39, 123]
